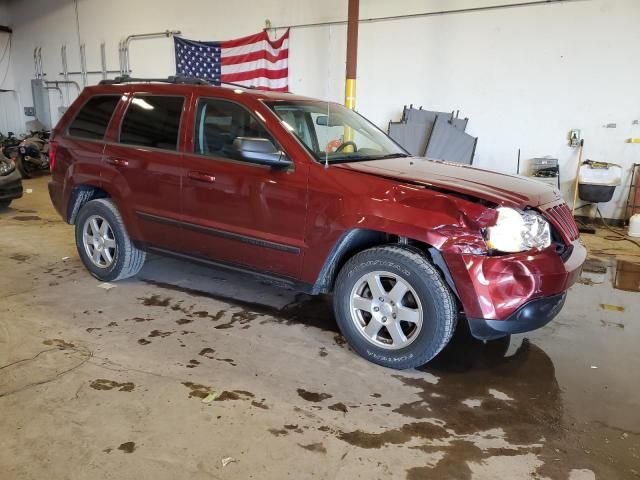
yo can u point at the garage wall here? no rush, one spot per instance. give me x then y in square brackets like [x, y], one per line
[10, 117]
[525, 76]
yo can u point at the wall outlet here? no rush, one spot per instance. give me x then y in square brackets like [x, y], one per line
[574, 138]
[29, 111]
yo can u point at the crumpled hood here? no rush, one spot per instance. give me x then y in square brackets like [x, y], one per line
[499, 188]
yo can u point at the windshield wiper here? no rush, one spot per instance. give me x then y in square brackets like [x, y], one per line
[364, 158]
[393, 155]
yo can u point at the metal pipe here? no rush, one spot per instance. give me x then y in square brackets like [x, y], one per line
[65, 68]
[123, 61]
[103, 60]
[35, 62]
[40, 67]
[141, 36]
[120, 61]
[64, 82]
[125, 56]
[430, 14]
[83, 64]
[59, 91]
[91, 72]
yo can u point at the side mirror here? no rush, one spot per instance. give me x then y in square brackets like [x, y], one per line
[261, 151]
[326, 121]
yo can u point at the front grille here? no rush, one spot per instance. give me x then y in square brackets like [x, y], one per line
[13, 192]
[561, 218]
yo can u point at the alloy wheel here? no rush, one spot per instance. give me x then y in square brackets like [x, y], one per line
[386, 310]
[98, 241]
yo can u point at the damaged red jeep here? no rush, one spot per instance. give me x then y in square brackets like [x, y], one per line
[314, 196]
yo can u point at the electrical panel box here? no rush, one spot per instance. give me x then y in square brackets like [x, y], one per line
[41, 102]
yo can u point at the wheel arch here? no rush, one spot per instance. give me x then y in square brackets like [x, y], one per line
[356, 240]
[80, 195]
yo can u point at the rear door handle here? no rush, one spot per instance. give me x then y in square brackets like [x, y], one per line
[201, 177]
[118, 162]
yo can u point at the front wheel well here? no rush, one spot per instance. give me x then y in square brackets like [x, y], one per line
[80, 195]
[355, 241]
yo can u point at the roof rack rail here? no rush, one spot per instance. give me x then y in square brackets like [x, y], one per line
[175, 79]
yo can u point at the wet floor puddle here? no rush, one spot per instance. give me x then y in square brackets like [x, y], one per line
[493, 400]
[197, 390]
[127, 447]
[488, 401]
[104, 384]
[315, 311]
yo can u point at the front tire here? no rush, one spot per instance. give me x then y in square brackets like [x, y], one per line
[393, 307]
[103, 243]
[25, 168]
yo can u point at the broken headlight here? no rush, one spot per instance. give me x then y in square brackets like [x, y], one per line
[6, 167]
[517, 231]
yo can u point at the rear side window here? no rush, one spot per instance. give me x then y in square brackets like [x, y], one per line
[93, 118]
[152, 121]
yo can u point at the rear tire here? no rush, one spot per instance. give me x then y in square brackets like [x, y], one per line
[24, 167]
[103, 243]
[393, 307]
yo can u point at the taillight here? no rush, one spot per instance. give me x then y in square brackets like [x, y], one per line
[53, 148]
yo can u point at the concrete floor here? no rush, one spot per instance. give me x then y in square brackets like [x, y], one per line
[98, 383]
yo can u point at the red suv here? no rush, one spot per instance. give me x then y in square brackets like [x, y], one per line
[313, 195]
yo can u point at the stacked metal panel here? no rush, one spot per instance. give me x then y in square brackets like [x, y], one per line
[436, 135]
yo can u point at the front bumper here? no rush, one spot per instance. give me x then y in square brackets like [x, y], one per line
[504, 288]
[11, 186]
[531, 316]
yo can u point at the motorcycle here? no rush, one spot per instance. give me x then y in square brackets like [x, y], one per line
[33, 154]
[9, 145]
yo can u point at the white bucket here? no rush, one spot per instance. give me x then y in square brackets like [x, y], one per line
[634, 225]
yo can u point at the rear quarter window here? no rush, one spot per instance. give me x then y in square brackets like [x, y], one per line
[93, 118]
[152, 121]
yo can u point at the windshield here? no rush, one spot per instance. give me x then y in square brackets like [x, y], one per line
[333, 133]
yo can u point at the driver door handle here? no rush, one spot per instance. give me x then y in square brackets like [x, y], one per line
[118, 162]
[201, 177]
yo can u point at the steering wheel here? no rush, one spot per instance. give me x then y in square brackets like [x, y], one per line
[345, 144]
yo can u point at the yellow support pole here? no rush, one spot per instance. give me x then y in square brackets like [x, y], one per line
[349, 102]
[350, 93]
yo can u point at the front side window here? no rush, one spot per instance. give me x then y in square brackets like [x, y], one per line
[93, 118]
[334, 133]
[152, 121]
[219, 123]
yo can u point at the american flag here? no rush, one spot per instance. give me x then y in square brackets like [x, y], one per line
[251, 61]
